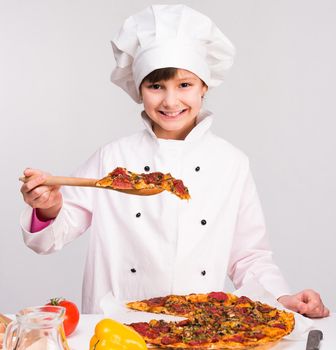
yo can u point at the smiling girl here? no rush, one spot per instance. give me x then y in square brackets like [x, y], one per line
[142, 247]
[172, 102]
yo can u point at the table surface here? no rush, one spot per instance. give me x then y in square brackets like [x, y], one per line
[81, 338]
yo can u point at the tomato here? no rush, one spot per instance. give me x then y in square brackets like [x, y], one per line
[71, 317]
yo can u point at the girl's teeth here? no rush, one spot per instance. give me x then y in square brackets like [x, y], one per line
[172, 114]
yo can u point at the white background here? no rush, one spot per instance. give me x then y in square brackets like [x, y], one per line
[57, 106]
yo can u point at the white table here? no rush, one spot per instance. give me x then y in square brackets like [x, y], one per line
[81, 338]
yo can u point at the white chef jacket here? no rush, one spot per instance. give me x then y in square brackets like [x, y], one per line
[142, 247]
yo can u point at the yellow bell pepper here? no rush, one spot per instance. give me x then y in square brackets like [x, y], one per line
[112, 335]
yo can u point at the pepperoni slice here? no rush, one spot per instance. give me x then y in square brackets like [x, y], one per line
[197, 342]
[264, 308]
[259, 335]
[211, 309]
[237, 338]
[215, 339]
[122, 183]
[140, 327]
[179, 187]
[243, 300]
[183, 323]
[153, 178]
[279, 325]
[166, 340]
[160, 301]
[152, 334]
[162, 327]
[119, 171]
[250, 321]
[220, 296]
[179, 308]
[244, 310]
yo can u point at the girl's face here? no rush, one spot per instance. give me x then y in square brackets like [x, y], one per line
[173, 104]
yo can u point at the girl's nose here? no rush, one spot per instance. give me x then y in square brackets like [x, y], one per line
[170, 99]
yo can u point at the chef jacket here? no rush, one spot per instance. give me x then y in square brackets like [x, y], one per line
[142, 247]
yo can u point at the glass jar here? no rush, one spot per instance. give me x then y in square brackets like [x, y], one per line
[37, 328]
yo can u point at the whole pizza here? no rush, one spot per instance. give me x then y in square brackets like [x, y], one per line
[214, 320]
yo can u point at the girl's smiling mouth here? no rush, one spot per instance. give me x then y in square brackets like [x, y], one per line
[173, 114]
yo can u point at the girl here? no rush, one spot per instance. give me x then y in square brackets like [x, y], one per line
[143, 247]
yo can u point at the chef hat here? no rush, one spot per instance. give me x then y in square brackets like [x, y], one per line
[164, 36]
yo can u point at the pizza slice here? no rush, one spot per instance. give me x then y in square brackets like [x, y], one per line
[176, 305]
[125, 180]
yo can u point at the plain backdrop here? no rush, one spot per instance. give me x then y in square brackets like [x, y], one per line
[57, 106]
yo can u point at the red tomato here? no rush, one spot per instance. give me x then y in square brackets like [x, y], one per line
[71, 318]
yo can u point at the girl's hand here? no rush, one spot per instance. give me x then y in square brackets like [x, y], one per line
[46, 199]
[308, 303]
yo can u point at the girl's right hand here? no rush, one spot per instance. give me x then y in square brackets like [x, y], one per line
[46, 199]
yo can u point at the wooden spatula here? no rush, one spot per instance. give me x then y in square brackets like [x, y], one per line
[84, 182]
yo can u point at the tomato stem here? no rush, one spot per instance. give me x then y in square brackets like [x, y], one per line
[55, 301]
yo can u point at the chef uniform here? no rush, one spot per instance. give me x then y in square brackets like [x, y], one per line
[142, 247]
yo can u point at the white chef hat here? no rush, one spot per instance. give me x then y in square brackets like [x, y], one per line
[163, 36]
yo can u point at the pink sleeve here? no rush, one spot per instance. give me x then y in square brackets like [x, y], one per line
[37, 224]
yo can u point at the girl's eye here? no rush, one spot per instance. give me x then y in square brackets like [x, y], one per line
[184, 85]
[155, 86]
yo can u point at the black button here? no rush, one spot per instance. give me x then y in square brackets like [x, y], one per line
[203, 272]
[203, 222]
[138, 215]
[133, 270]
[197, 168]
[147, 168]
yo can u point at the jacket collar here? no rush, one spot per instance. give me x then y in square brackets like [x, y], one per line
[203, 123]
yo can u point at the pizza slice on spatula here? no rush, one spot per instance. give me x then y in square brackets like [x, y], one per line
[124, 180]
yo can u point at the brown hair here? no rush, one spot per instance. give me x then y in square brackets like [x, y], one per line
[160, 74]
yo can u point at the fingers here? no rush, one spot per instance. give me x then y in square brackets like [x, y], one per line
[317, 311]
[33, 182]
[301, 308]
[326, 312]
[38, 196]
[43, 197]
[35, 193]
[312, 304]
[29, 172]
[34, 178]
[307, 302]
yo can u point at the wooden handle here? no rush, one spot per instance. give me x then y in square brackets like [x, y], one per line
[78, 181]
[66, 181]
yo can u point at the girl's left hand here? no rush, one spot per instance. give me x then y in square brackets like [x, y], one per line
[308, 303]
